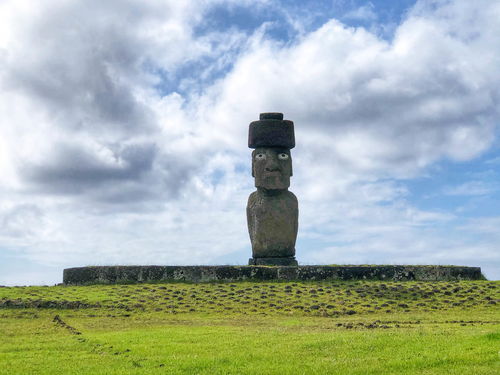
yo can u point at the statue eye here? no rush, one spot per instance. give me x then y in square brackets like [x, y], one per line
[283, 156]
[260, 156]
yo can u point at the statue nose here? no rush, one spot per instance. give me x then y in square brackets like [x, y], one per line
[272, 165]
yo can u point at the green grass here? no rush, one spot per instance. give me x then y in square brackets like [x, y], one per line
[370, 327]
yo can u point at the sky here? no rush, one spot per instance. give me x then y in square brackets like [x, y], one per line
[124, 125]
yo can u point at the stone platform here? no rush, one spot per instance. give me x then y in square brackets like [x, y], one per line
[146, 274]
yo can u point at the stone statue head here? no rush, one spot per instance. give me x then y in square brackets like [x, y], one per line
[272, 168]
[272, 138]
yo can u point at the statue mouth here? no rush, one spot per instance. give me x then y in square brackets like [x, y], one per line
[272, 174]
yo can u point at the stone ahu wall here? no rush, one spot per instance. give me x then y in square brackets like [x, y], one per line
[142, 274]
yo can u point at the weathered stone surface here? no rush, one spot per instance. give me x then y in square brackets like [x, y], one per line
[281, 261]
[271, 131]
[272, 210]
[272, 168]
[272, 224]
[138, 274]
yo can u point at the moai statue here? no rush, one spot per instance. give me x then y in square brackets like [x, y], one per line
[272, 210]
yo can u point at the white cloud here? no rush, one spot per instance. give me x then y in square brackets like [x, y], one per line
[379, 106]
[471, 188]
[363, 13]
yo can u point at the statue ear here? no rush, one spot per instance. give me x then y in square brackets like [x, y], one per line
[253, 158]
[291, 164]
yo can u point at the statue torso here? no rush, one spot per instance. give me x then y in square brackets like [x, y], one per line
[272, 223]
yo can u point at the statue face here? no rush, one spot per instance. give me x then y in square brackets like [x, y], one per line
[272, 167]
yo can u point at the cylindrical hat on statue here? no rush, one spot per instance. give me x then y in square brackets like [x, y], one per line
[271, 131]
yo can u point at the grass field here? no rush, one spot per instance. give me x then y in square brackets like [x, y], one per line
[365, 327]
